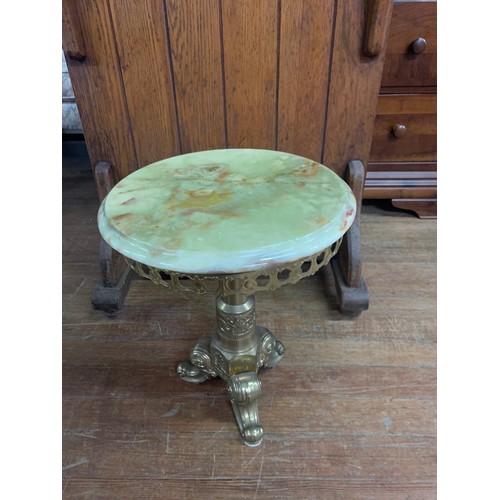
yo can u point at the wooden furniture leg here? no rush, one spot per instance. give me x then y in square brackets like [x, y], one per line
[425, 208]
[110, 293]
[351, 289]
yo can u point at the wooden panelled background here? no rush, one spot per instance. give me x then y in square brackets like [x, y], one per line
[164, 77]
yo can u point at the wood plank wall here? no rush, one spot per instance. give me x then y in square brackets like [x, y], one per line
[165, 77]
[225, 73]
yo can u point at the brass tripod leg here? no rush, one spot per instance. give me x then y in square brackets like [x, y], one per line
[235, 353]
[244, 390]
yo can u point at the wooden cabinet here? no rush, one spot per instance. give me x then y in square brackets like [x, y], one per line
[402, 162]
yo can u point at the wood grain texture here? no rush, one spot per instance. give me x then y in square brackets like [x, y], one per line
[111, 262]
[72, 32]
[354, 85]
[97, 84]
[105, 179]
[394, 166]
[425, 208]
[403, 68]
[350, 412]
[404, 169]
[407, 104]
[418, 113]
[376, 27]
[244, 489]
[250, 47]
[350, 251]
[195, 44]
[141, 40]
[305, 50]
[397, 184]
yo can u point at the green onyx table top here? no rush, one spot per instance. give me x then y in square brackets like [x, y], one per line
[226, 211]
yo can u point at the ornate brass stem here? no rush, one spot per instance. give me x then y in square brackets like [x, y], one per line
[235, 353]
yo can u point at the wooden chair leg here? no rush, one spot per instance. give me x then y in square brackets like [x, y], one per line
[347, 267]
[109, 294]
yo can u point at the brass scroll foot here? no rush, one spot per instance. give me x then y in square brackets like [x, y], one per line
[244, 390]
[271, 350]
[199, 368]
[190, 373]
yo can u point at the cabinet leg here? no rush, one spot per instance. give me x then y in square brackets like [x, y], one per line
[423, 207]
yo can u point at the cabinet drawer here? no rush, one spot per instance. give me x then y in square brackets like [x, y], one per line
[409, 63]
[405, 128]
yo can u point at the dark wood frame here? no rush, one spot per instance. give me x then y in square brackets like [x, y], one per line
[110, 292]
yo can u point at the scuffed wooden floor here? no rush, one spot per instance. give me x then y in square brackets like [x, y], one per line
[350, 413]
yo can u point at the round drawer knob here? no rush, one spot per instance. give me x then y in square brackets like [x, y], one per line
[398, 130]
[418, 45]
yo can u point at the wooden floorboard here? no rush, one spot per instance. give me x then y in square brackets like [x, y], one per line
[349, 413]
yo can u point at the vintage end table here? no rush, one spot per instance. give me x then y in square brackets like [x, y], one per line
[229, 222]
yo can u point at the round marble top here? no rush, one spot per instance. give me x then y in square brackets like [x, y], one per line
[226, 211]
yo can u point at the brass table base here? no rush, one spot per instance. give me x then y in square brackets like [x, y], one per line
[239, 347]
[235, 353]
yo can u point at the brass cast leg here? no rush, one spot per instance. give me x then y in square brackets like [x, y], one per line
[235, 353]
[244, 390]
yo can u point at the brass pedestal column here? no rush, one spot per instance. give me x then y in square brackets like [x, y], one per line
[235, 353]
[239, 347]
